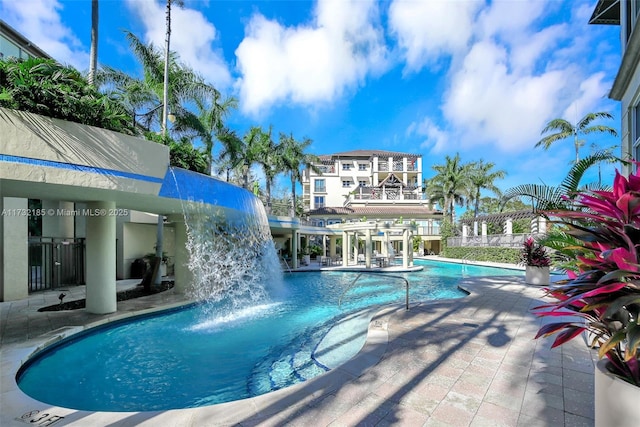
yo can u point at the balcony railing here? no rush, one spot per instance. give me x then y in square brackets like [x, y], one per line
[377, 193]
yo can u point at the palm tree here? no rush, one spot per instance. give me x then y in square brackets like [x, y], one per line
[230, 157]
[93, 53]
[294, 159]
[566, 130]
[482, 178]
[270, 161]
[147, 93]
[209, 121]
[547, 198]
[251, 152]
[450, 186]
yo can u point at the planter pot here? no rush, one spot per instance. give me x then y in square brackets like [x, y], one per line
[163, 269]
[616, 401]
[306, 259]
[537, 275]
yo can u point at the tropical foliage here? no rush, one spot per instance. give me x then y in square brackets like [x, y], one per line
[143, 96]
[478, 253]
[564, 129]
[42, 86]
[294, 159]
[545, 197]
[483, 177]
[604, 296]
[534, 254]
[451, 186]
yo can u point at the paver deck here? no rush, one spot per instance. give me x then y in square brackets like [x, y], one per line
[465, 362]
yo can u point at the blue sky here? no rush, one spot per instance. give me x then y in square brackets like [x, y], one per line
[434, 77]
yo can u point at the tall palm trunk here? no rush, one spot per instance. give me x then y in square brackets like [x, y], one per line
[268, 194]
[165, 91]
[165, 114]
[292, 210]
[93, 55]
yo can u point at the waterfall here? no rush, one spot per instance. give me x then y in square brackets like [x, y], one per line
[232, 256]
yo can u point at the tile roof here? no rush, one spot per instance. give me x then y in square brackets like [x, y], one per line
[369, 153]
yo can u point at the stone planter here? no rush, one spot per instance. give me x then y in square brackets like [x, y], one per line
[537, 275]
[306, 259]
[616, 401]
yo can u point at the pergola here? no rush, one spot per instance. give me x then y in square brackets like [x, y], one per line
[384, 232]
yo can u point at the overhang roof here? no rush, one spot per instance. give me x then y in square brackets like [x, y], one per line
[500, 217]
[606, 12]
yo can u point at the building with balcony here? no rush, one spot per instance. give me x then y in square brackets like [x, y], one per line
[14, 44]
[626, 86]
[371, 186]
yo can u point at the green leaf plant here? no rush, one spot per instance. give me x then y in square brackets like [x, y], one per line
[603, 296]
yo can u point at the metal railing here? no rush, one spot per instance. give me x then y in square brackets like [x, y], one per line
[55, 262]
[286, 264]
[495, 240]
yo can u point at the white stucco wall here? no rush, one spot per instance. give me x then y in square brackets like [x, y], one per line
[139, 240]
[32, 136]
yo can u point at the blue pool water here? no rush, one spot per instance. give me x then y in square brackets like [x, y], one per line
[195, 357]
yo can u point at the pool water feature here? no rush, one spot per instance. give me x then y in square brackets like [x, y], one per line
[196, 357]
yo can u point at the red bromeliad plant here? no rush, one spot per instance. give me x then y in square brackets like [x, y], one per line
[534, 254]
[604, 297]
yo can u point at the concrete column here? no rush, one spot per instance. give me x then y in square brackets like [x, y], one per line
[332, 245]
[465, 234]
[508, 229]
[475, 228]
[534, 225]
[294, 249]
[101, 259]
[14, 264]
[368, 249]
[542, 225]
[181, 272]
[345, 248]
[405, 248]
[355, 248]
[61, 222]
[324, 245]
[484, 233]
[385, 244]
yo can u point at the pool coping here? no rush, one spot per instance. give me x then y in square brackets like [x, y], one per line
[16, 404]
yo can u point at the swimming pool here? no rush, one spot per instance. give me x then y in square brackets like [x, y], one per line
[195, 357]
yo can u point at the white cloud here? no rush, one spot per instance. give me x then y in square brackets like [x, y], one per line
[309, 63]
[436, 139]
[495, 105]
[427, 30]
[516, 75]
[192, 36]
[39, 21]
[590, 94]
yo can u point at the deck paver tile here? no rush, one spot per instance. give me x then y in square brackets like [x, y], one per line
[571, 420]
[452, 415]
[401, 415]
[493, 415]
